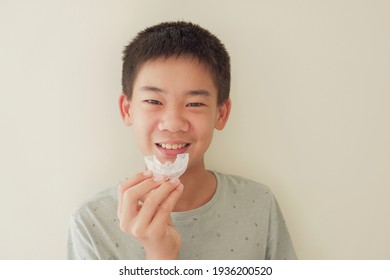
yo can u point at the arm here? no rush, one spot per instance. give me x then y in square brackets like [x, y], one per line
[79, 244]
[279, 245]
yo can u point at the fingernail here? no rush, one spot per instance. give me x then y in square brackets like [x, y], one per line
[180, 187]
[175, 181]
[147, 173]
[158, 179]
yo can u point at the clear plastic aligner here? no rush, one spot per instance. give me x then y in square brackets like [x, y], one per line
[168, 169]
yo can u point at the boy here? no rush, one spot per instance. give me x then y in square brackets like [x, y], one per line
[176, 82]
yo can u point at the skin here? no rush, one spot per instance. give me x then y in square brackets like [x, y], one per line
[174, 102]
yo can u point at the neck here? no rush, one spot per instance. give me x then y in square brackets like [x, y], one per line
[199, 187]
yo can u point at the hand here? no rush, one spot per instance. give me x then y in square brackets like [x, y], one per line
[150, 222]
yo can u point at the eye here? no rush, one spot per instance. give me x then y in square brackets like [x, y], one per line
[195, 104]
[153, 102]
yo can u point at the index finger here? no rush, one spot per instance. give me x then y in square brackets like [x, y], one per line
[128, 183]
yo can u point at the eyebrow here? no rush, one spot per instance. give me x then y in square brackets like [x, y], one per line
[153, 89]
[199, 92]
[195, 92]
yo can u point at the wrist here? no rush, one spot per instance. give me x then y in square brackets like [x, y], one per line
[161, 256]
[165, 254]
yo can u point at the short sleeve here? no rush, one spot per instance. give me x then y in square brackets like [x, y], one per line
[79, 245]
[279, 244]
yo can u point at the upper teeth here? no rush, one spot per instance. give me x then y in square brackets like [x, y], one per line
[173, 146]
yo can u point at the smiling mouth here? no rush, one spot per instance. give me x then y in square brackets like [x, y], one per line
[172, 146]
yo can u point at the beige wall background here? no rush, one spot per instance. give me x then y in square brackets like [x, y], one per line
[310, 91]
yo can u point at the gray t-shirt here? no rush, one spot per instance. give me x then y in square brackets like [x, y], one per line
[241, 221]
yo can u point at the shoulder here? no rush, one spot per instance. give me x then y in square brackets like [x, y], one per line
[236, 182]
[245, 188]
[102, 203]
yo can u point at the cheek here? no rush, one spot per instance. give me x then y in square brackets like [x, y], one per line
[143, 126]
[143, 120]
[208, 129]
[208, 122]
[205, 128]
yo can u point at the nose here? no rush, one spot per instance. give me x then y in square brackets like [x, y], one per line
[173, 120]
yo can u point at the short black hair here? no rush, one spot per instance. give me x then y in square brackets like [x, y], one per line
[177, 39]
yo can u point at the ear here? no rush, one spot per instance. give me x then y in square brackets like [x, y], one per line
[124, 107]
[223, 114]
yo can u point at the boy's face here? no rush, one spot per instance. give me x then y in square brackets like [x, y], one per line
[174, 109]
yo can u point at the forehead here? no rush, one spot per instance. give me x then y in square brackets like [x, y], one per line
[181, 73]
